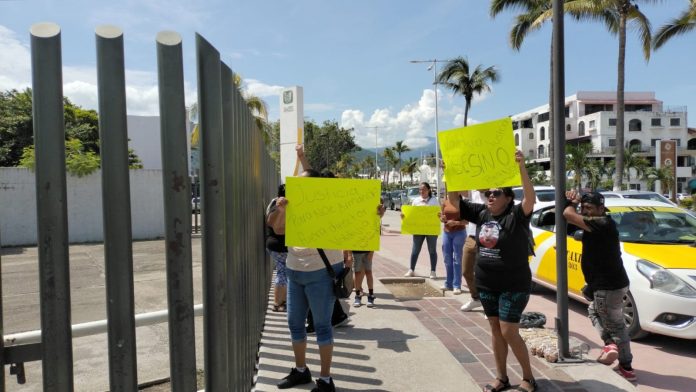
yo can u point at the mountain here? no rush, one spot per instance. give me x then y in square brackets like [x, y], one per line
[420, 152]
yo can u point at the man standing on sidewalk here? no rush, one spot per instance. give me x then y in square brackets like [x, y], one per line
[605, 275]
[470, 259]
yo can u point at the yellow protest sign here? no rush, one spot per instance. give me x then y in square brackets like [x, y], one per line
[480, 156]
[332, 213]
[420, 220]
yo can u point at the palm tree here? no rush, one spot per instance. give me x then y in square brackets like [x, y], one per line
[400, 148]
[577, 160]
[633, 161]
[457, 76]
[533, 14]
[389, 157]
[595, 172]
[616, 15]
[662, 174]
[410, 167]
[256, 105]
[680, 25]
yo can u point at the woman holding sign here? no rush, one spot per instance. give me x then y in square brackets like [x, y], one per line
[424, 199]
[503, 277]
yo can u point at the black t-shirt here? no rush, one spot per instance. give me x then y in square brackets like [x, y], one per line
[601, 255]
[274, 242]
[502, 263]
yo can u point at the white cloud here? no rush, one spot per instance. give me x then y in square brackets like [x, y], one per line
[15, 60]
[319, 107]
[414, 124]
[260, 89]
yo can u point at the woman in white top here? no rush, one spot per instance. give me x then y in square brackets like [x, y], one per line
[425, 198]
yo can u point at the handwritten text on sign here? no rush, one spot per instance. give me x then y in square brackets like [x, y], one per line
[420, 220]
[332, 213]
[480, 156]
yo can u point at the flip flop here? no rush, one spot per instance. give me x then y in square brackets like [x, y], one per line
[531, 382]
[504, 384]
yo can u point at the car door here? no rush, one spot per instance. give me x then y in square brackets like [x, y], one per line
[543, 263]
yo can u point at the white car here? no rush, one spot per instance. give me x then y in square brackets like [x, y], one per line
[642, 195]
[658, 250]
[545, 196]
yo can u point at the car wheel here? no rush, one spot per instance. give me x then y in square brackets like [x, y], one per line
[630, 313]
[391, 207]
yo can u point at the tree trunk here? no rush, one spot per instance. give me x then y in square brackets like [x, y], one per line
[466, 111]
[620, 104]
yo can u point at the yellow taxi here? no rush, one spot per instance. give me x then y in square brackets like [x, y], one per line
[658, 248]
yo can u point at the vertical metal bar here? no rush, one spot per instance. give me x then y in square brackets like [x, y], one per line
[239, 206]
[177, 212]
[232, 283]
[213, 213]
[51, 204]
[118, 252]
[2, 333]
[560, 181]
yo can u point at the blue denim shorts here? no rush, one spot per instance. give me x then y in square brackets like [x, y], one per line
[506, 305]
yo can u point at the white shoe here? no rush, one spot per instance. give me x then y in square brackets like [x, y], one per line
[432, 275]
[457, 291]
[409, 273]
[471, 305]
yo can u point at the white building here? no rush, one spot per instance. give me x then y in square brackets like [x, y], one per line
[591, 118]
[145, 139]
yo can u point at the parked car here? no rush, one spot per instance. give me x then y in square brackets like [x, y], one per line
[195, 204]
[545, 195]
[657, 248]
[397, 199]
[412, 193]
[643, 195]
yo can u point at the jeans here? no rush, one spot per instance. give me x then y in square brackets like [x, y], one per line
[452, 246]
[418, 244]
[311, 290]
[279, 258]
[606, 314]
[469, 265]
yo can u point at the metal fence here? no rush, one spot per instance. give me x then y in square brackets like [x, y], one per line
[237, 177]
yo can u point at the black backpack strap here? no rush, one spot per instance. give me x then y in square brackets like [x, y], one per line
[329, 268]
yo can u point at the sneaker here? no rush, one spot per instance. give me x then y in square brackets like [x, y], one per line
[341, 323]
[358, 301]
[409, 273]
[445, 288]
[610, 353]
[295, 378]
[629, 375]
[432, 275]
[457, 291]
[471, 305]
[323, 386]
[370, 301]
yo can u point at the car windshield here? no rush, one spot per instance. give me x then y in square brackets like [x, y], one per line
[395, 195]
[413, 192]
[549, 195]
[649, 196]
[654, 225]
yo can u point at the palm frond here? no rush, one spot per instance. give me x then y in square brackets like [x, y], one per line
[678, 26]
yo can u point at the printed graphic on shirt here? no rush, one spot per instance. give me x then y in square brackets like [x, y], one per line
[488, 238]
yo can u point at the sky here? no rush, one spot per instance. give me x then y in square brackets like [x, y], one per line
[352, 58]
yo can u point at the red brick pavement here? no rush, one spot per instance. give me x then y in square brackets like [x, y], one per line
[467, 336]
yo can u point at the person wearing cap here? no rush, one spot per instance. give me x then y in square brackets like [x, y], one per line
[605, 275]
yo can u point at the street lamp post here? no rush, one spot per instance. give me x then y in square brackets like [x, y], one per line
[433, 66]
[376, 156]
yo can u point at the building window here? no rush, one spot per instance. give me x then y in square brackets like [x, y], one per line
[592, 124]
[531, 153]
[541, 151]
[635, 145]
[653, 142]
[612, 142]
[581, 128]
[567, 111]
[531, 135]
[515, 125]
[678, 141]
[568, 128]
[527, 123]
[517, 139]
[612, 122]
[594, 108]
[674, 122]
[542, 133]
[635, 125]
[656, 122]
[543, 117]
[639, 108]
[691, 144]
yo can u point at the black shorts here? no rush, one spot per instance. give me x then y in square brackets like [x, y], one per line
[506, 305]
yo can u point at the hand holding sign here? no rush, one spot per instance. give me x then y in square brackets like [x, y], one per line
[481, 156]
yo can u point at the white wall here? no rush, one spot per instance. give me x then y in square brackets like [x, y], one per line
[85, 220]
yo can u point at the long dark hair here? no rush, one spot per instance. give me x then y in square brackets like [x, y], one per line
[430, 191]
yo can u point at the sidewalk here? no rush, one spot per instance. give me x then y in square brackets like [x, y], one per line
[417, 345]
